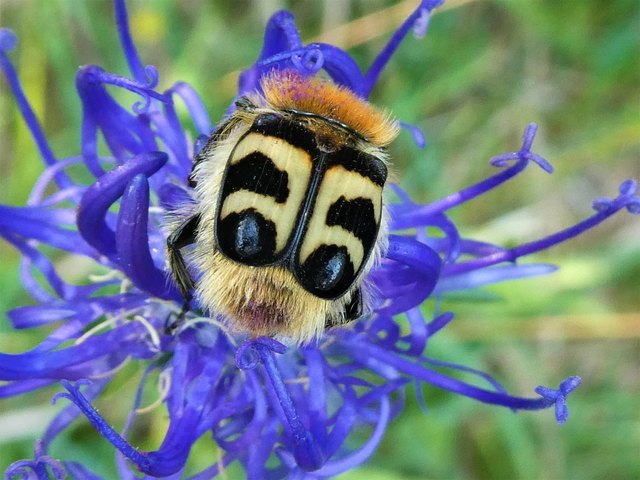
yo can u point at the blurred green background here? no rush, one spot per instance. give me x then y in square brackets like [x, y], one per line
[485, 70]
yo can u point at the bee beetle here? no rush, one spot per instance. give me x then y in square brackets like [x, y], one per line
[288, 213]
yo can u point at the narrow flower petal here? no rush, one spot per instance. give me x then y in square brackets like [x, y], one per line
[437, 379]
[305, 449]
[193, 102]
[512, 254]
[59, 363]
[125, 134]
[130, 52]
[281, 35]
[372, 75]
[416, 134]
[8, 42]
[140, 459]
[34, 259]
[45, 225]
[439, 322]
[132, 239]
[37, 315]
[487, 276]
[68, 414]
[24, 386]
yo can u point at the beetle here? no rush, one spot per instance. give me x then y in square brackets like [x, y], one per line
[288, 213]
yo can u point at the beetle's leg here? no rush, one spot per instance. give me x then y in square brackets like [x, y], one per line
[352, 311]
[182, 236]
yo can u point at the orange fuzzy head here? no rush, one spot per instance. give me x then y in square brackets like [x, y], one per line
[289, 90]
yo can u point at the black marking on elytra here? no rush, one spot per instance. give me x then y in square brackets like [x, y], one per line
[247, 237]
[357, 216]
[327, 272]
[292, 132]
[257, 173]
[366, 165]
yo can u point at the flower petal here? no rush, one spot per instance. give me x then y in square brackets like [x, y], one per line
[132, 240]
[95, 203]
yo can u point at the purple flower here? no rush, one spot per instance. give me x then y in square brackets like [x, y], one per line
[277, 411]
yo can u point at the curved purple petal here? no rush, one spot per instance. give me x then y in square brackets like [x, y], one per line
[342, 68]
[74, 395]
[101, 195]
[32, 257]
[195, 105]
[124, 133]
[281, 35]
[424, 266]
[336, 467]
[512, 254]
[132, 239]
[55, 364]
